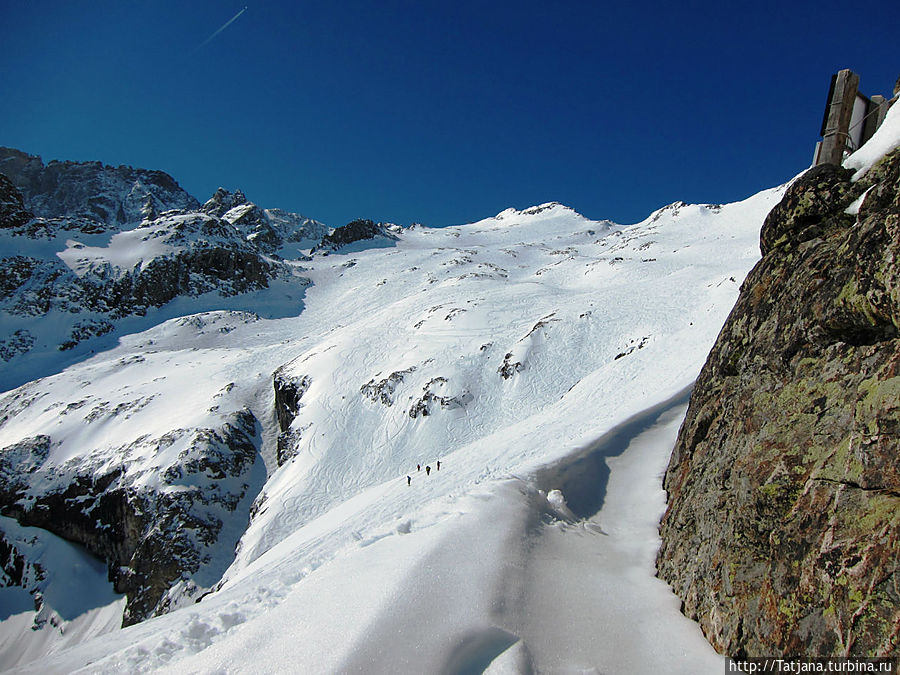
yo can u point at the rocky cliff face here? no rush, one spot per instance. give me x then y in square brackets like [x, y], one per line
[160, 528]
[113, 196]
[12, 207]
[782, 533]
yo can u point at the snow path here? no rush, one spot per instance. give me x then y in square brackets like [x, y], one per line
[593, 602]
[507, 586]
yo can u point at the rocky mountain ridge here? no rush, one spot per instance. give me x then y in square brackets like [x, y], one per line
[109, 196]
[97, 247]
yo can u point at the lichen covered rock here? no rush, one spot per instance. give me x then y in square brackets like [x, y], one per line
[782, 534]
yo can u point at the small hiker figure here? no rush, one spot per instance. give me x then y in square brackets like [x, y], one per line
[408, 480]
[439, 465]
[427, 470]
[418, 467]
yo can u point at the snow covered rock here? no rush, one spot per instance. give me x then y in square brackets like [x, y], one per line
[157, 527]
[360, 230]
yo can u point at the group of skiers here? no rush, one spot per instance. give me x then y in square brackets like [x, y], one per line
[427, 471]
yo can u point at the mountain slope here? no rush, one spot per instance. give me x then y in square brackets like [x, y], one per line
[92, 252]
[497, 348]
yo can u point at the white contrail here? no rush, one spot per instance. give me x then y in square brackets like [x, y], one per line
[227, 23]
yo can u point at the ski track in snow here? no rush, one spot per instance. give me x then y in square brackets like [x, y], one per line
[346, 568]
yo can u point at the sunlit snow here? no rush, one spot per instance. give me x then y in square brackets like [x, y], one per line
[544, 359]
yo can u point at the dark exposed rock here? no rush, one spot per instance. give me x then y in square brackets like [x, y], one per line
[12, 207]
[15, 569]
[15, 271]
[430, 401]
[288, 392]
[112, 196]
[19, 342]
[151, 539]
[85, 329]
[356, 230]
[383, 390]
[223, 201]
[782, 534]
[811, 207]
[509, 367]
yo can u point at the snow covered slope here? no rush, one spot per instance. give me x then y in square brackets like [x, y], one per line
[526, 352]
[70, 285]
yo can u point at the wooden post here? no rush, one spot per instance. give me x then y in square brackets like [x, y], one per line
[836, 125]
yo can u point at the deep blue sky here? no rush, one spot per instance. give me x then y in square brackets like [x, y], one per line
[440, 112]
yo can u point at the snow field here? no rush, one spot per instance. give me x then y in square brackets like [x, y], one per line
[344, 565]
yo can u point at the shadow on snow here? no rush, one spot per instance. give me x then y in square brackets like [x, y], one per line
[583, 476]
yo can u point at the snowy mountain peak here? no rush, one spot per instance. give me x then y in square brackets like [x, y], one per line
[71, 283]
[547, 209]
[223, 201]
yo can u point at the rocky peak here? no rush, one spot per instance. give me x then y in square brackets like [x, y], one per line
[113, 196]
[223, 201]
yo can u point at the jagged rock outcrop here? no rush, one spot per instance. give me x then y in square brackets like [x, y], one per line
[12, 207]
[160, 528]
[782, 534]
[113, 196]
[272, 231]
[361, 229]
[289, 390]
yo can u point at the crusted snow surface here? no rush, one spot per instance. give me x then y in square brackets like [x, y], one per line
[508, 349]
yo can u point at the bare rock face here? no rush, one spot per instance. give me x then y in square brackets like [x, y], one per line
[361, 229]
[782, 534]
[289, 390]
[109, 195]
[12, 207]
